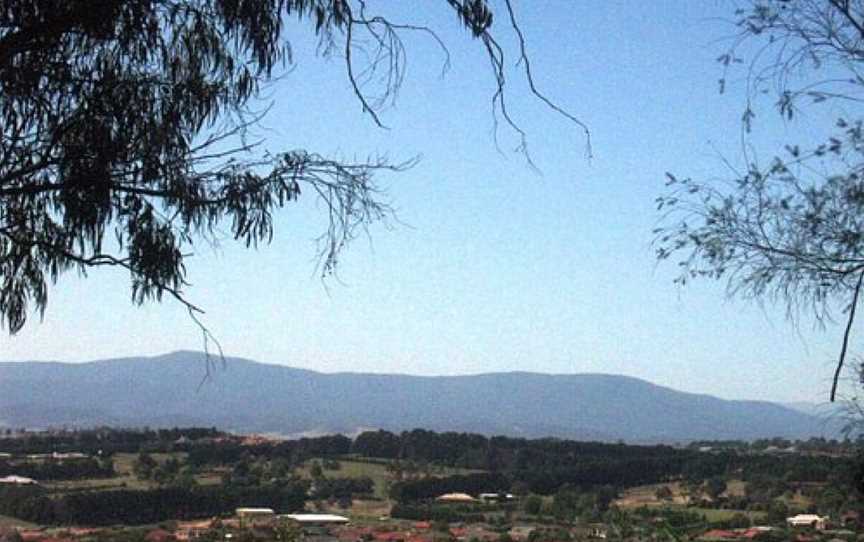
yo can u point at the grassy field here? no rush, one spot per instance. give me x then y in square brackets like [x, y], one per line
[354, 469]
[125, 478]
[123, 462]
[377, 471]
[349, 468]
[714, 515]
[635, 497]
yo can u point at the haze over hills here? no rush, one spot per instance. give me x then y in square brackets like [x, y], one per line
[247, 396]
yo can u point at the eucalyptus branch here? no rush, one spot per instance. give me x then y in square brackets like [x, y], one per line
[852, 305]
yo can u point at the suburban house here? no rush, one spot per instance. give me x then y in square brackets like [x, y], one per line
[495, 497]
[192, 530]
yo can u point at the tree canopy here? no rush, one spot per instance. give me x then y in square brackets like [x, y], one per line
[792, 229]
[123, 127]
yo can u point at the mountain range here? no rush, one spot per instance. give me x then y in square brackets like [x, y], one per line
[245, 396]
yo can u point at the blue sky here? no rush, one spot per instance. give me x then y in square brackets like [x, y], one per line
[493, 268]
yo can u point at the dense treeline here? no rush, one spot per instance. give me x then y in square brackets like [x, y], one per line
[105, 441]
[294, 451]
[458, 450]
[75, 469]
[599, 472]
[799, 468]
[145, 506]
[471, 451]
[421, 447]
[341, 488]
[224, 453]
[544, 466]
[586, 474]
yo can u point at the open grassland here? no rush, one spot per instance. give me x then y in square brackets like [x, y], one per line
[124, 479]
[379, 474]
[715, 515]
[123, 462]
[368, 511]
[646, 495]
[353, 469]
[378, 470]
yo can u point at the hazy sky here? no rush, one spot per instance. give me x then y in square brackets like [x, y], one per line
[493, 268]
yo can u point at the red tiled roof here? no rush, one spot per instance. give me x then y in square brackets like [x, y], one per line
[201, 524]
[389, 536]
[719, 533]
[159, 535]
[82, 531]
[352, 533]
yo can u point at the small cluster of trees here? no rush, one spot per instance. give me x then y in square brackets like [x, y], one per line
[571, 503]
[474, 451]
[170, 472]
[50, 469]
[342, 488]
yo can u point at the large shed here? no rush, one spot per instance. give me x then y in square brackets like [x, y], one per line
[316, 519]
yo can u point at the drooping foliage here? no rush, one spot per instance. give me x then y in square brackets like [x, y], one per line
[789, 229]
[122, 124]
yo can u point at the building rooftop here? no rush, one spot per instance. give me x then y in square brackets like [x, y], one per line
[316, 518]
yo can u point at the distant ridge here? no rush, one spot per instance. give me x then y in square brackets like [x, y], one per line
[254, 397]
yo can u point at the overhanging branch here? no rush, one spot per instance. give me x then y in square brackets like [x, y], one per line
[846, 334]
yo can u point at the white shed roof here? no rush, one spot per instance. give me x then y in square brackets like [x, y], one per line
[254, 511]
[316, 518]
[17, 480]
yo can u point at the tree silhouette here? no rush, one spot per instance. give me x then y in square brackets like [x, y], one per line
[792, 230]
[123, 127]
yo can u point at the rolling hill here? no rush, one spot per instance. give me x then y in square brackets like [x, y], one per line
[246, 396]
